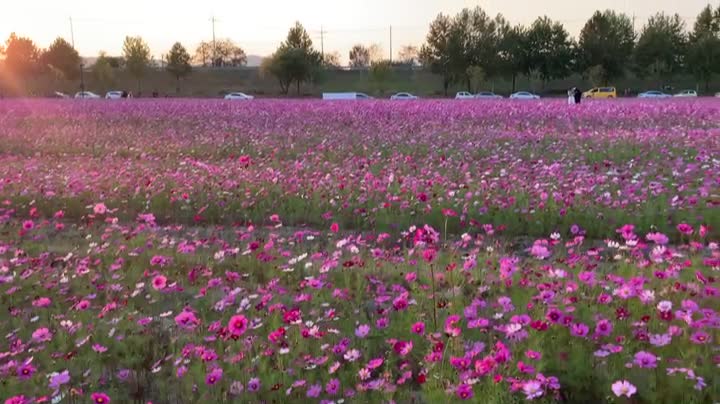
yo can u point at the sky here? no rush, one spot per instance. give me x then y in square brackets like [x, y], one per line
[258, 26]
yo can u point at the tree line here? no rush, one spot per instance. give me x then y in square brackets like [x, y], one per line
[468, 49]
[472, 47]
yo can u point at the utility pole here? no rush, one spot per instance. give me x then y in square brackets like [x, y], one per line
[322, 42]
[390, 44]
[72, 34]
[214, 47]
[82, 78]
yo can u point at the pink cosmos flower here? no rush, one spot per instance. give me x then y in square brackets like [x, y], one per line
[42, 335]
[464, 391]
[28, 225]
[25, 371]
[213, 376]
[99, 209]
[100, 398]
[532, 389]
[418, 328]
[700, 337]
[58, 379]
[253, 384]
[237, 325]
[17, 400]
[429, 255]
[623, 388]
[187, 320]
[362, 330]
[334, 227]
[645, 360]
[685, 229]
[159, 282]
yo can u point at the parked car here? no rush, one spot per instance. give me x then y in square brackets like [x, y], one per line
[600, 92]
[487, 95]
[524, 95]
[403, 96]
[464, 95]
[654, 94]
[686, 93]
[117, 95]
[58, 94]
[717, 95]
[239, 96]
[345, 96]
[87, 95]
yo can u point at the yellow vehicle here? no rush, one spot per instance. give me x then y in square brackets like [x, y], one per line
[600, 92]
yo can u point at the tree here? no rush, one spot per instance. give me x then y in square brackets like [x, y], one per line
[331, 60]
[597, 75]
[21, 56]
[376, 53]
[359, 57]
[295, 60]
[550, 49]
[606, 40]
[204, 53]
[513, 52]
[477, 77]
[102, 71]
[227, 53]
[408, 55]
[63, 57]
[703, 53]
[661, 47]
[178, 63]
[137, 57]
[435, 54]
[380, 73]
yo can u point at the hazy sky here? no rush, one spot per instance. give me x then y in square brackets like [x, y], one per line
[259, 25]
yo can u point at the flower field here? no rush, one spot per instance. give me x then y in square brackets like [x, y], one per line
[182, 251]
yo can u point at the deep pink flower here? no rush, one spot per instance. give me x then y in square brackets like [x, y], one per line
[700, 337]
[418, 328]
[159, 282]
[237, 325]
[25, 371]
[429, 255]
[334, 227]
[187, 320]
[464, 391]
[685, 229]
[100, 398]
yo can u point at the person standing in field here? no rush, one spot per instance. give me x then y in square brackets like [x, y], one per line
[571, 96]
[578, 95]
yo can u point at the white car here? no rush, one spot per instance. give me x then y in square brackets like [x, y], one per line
[524, 95]
[239, 96]
[487, 95]
[464, 95]
[686, 93]
[654, 94]
[403, 96]
[116, 95]
[345, 96]
[86, 95]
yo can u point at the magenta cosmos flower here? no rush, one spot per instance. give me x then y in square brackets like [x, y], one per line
[623, 388]
[99, 209]
[42, 335]
[237, 325]
[159, 282]
[645, 360]
[187, 320]
[464, 391]
[100, 398]
[418, 328]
